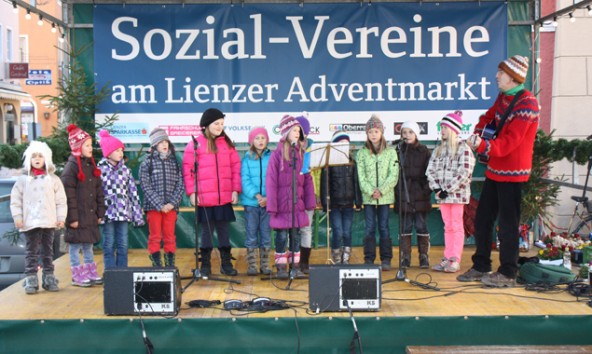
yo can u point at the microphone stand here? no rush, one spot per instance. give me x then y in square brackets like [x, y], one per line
[292, 232]
[195, 273]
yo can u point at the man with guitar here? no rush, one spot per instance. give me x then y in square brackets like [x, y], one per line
[504, 140]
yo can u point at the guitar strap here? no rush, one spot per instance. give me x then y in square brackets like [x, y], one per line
[507, 113]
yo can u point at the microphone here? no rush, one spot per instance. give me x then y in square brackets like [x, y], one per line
[422, 285]
[293, 144]
[194, 140]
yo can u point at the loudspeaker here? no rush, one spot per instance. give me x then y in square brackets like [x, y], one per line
[142, 291]
[343, 287]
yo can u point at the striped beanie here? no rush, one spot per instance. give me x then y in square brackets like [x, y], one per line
[286, 124]
[157, 135]
[453, 121]
[340, 136]
[516, 67]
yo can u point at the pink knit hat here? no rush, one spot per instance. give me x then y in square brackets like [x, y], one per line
[286, 124]
[109, 143]
[453, 121]
[256, 131]
[76, 138]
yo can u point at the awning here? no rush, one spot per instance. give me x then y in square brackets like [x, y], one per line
[27, 106]
[10, 94]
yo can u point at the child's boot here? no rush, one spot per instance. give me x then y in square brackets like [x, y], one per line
[386, 253]
[252, 261]
[155, 259]
[423, 245]
[169, 259]
[31, 284]
[295, 271]
[305, 259]
[405, 250]
[206, 265]
[79, 276]
[369, 249]
[281, 263]
[226, 267]
[336, 254]
[346, 255]
[92, 273]
[264, 261]
[50, 282]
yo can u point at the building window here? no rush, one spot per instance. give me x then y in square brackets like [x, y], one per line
[9, 51]
[24, 49]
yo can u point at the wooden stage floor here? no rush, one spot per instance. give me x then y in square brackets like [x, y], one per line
[399, 298]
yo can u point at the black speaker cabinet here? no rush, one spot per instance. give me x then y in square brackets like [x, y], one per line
[339, 287]
[142, 291]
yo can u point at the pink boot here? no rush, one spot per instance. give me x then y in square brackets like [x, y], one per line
[79, 277]
[91, 273]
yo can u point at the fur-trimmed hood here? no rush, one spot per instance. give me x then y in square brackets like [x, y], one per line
[43, 149]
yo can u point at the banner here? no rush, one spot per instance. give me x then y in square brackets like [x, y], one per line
[339, 62]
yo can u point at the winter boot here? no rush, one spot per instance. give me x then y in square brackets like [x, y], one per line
[169, 259]
[31, 284]
[346, 255]
[281, 263]
[336, 254]
[295, 270]
[226, 262]
[206, 265]
[252, 261]
[155, 258]
[386, 253]
[304, 259]
[264, 261]
[50, 282]
[369, 249]
[79, 277]
[405, 250]
[92, 275]
[423, 246]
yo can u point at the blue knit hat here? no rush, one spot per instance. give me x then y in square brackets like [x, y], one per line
[340, 136]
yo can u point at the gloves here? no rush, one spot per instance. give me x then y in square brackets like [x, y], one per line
[443, 194]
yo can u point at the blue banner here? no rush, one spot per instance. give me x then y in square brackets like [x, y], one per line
[335, 60]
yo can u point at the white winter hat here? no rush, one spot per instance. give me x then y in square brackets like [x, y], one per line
[40, 148]
[411, 125]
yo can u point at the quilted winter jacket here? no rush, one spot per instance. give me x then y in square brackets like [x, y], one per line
[416, 158]
[343, 187]
[279, 192]
[452, 174]
[121, 195]
[253, 172]
[86, 203]
[378, 171]
[39, 202]
[161, 181]
[218, 173]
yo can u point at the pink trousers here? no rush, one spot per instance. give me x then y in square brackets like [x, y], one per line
[454, 232]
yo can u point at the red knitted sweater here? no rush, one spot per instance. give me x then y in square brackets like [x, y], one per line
[510, 154]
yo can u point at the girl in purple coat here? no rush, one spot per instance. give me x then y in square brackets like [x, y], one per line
[218, 186]
[279, 195]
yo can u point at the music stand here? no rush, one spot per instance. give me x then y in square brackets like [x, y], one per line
[195, 273]
[320, 158]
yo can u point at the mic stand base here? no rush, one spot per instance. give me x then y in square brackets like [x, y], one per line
[401, 276]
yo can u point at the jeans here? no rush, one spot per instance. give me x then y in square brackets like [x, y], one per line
[115, 241]
[281, 237]
[374, 213]
[341, 226]
[417, 219]
[257, 225]
[501, 201]
[305, 232]
[39, 238]
[74, 251]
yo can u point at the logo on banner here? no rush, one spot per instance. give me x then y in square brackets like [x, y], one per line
[237, 128]
[423, 128]
[276, 129]
[350, 128]
[128, 132]
[315, 131]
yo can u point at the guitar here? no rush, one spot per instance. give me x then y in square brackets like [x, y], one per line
[488, 133]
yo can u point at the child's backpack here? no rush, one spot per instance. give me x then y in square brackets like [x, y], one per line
[536, 273]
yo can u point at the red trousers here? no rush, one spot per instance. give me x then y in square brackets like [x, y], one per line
[161, 228]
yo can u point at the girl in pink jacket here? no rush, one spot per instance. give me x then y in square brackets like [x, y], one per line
[218, 186]
[278, 182]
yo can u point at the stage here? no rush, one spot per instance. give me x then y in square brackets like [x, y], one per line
[73, 319]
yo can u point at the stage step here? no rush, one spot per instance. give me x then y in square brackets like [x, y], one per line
[500, 349]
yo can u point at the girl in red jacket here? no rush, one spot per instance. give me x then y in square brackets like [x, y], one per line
[218, 186]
